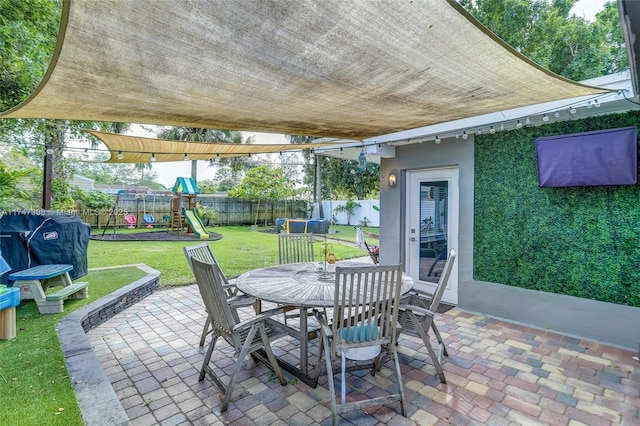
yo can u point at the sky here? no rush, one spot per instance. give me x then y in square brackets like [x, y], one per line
[168, 172]
[588, 8]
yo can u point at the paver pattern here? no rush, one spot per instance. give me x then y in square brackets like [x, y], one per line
[498, 373]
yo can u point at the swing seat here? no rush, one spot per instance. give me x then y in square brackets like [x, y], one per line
[130, 220]
[149, 220]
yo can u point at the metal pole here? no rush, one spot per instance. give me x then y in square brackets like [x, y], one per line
[46, 181]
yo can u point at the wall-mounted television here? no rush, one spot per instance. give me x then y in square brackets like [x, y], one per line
[604, 157]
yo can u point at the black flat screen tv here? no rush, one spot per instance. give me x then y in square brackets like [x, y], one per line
[604, 157]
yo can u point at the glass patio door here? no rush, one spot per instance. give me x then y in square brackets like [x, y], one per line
[432, 227]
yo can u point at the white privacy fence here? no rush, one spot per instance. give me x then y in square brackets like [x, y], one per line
[365, 212]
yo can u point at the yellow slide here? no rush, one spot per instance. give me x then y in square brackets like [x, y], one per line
[193, 220]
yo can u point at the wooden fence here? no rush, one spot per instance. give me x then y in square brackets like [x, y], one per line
[225, 211]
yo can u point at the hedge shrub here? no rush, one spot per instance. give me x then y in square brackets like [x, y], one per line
[580, 241]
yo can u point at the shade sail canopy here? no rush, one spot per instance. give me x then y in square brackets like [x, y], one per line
[134, 149]
[351, 69]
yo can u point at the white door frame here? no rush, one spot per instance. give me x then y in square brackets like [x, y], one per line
[412, 225]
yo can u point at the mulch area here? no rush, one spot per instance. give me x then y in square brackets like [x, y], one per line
[152, 236]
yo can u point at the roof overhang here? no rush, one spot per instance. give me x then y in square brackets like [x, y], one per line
[331, 68]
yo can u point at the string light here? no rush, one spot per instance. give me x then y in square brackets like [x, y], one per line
[545, 117]
[596, 103]
[457, 135]
[492, 130]
[572, 110]
[527, 121]
[479, 132]
[589, 105]
[186, 157]
[501, 127]
[465, 135]
[217, 160]
[556, 114]
[153, 157]
[85, 154]
[438, 139]
[518, 125]
[120, 155]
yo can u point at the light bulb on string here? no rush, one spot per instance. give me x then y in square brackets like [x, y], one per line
[186, 157]
[479, 132]
[492, 130]
[572, 110]
[556, 114]
[465, 135]
[545, 117]
[589, 105]
[527, 121]
[217, 160]
[85, 154]
[501, 127]
[518, 124]
[438, 139]
[153, 157]
[597, 104]
[120, 155]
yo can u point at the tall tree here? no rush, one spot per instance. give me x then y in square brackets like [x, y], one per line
[28, 32]
[312, 170]
[199, 134]
[545, 32]
[263, 183]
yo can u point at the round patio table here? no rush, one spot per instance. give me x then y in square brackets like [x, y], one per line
[302, 286]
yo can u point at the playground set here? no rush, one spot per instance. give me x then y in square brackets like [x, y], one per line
[183, 219]
[186, 188]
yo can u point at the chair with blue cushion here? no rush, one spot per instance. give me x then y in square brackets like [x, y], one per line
[363, 332]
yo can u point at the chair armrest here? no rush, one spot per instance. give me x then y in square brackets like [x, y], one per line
[417, 310]
[232, 288]
[241, 301]
[423, 293]
[260, 317]
[324, 325]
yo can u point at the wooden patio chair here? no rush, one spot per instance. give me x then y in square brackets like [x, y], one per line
[246, 337]
[417, 312]
[365, 313]
[203, 253]
[293, 248]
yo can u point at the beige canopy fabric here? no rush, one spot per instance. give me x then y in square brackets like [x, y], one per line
[134, 149]
[353, 69]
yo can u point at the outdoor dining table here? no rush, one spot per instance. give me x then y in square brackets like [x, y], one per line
[302, 286]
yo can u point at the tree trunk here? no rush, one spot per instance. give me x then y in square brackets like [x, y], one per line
[319, 187]
[194, 169]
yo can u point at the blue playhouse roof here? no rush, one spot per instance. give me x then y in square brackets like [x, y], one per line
[186, 186]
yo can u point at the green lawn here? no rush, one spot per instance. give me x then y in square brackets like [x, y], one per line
[34, 384]
[239, 250]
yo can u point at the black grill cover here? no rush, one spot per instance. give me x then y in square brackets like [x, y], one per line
[28, 240]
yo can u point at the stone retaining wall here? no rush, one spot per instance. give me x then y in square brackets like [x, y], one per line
[97, 400]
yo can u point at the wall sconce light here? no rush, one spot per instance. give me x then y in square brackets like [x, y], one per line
[392, 180]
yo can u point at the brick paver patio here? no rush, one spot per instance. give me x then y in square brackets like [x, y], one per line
[498, 373]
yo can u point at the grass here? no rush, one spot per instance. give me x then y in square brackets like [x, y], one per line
[239, 250]
[35, 387]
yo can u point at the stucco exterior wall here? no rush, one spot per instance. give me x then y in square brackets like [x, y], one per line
[608, 323]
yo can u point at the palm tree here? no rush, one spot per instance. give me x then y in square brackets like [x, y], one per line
[349, 208]
[197, 134]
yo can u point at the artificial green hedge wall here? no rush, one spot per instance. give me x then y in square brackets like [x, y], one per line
[582, 241]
